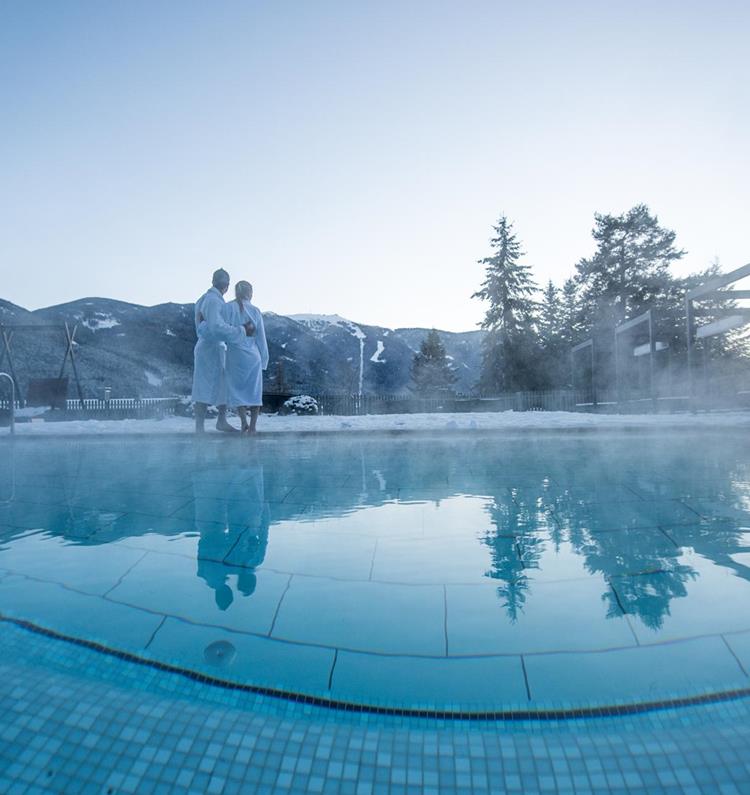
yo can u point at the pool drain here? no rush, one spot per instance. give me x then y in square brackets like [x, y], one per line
[220, 653]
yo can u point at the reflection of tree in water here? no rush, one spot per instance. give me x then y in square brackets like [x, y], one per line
[644, 566]
[649, 595]
[148, 478]
[624, 558]
[513, 548]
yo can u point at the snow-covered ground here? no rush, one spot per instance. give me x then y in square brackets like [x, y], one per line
[474, 422]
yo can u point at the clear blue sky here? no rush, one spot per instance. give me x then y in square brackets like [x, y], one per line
[351, 157]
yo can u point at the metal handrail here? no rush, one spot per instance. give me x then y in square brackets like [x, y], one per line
[12, 401]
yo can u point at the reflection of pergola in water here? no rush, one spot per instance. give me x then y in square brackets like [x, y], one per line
[41, 391]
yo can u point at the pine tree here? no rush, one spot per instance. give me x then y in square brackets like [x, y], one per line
[550, 317]
[510, 347]
[508, 285]
[570, 311]
[552, 337]
[431, 370]
[630, 268]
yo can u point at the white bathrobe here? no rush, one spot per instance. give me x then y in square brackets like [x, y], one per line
[209, 385]
[246, 358]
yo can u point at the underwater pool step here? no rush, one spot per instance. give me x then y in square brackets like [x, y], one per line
[553, 711]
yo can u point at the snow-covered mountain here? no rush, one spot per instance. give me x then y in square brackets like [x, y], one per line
[148, 351]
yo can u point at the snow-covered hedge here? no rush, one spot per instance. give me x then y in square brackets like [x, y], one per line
[300, 404]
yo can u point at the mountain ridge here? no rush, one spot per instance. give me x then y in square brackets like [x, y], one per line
[147, 351]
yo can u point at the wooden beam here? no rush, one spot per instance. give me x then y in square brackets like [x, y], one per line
[713, 285]
[628, 324]
[582, 345]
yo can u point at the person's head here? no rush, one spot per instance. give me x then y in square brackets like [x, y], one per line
[221, 280]
[243, 291]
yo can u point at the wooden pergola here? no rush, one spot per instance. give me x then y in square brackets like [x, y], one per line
[731, 318]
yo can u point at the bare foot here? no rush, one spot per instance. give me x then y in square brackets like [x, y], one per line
[226, 427]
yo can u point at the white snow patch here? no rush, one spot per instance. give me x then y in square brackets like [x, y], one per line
[539, 421]
[320, 323]
[99, 321]
[152, 378]
[376, 356]
[170, 333]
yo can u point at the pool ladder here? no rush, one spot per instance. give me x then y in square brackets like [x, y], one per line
[12, 401]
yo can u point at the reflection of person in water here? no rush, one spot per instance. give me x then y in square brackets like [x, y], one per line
[232, 517]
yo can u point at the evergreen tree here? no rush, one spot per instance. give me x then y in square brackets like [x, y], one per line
[570, 312]
[508, 285]
[629, 270]
[552, 337]
[431, 370]
[550, 317]
[628, 273]
[510, 347]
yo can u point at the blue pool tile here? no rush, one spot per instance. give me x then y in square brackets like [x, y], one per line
[79, 615]
[364, 616]
[478, 682]
[332, 495]
[549, 559]
[594, 492]
[517, 616]
[203, 591]
[463, 516]
[130, 501]
[606, 517]
[733, 509]
[233, 514]
[643, 673]
[307, 551]
[60, 519]
[389, 520]
[245, 659]
[739, 642]
[439, 559]
[46, 494]
[90, 568]
[158, 534]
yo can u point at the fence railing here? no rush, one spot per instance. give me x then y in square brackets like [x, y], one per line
[112, 408]
[549, 400]
[354, 405]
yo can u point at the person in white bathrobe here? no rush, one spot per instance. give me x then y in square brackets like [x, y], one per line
[209, 387]
[247, 357]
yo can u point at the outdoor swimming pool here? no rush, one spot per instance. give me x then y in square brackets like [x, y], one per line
[459, 613]
[452, 575]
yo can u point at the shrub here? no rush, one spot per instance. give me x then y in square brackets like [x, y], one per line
[300, 404]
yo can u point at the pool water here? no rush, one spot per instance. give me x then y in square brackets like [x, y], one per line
[459, 574]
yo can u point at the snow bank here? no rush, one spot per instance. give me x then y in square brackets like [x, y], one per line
[468, 422]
